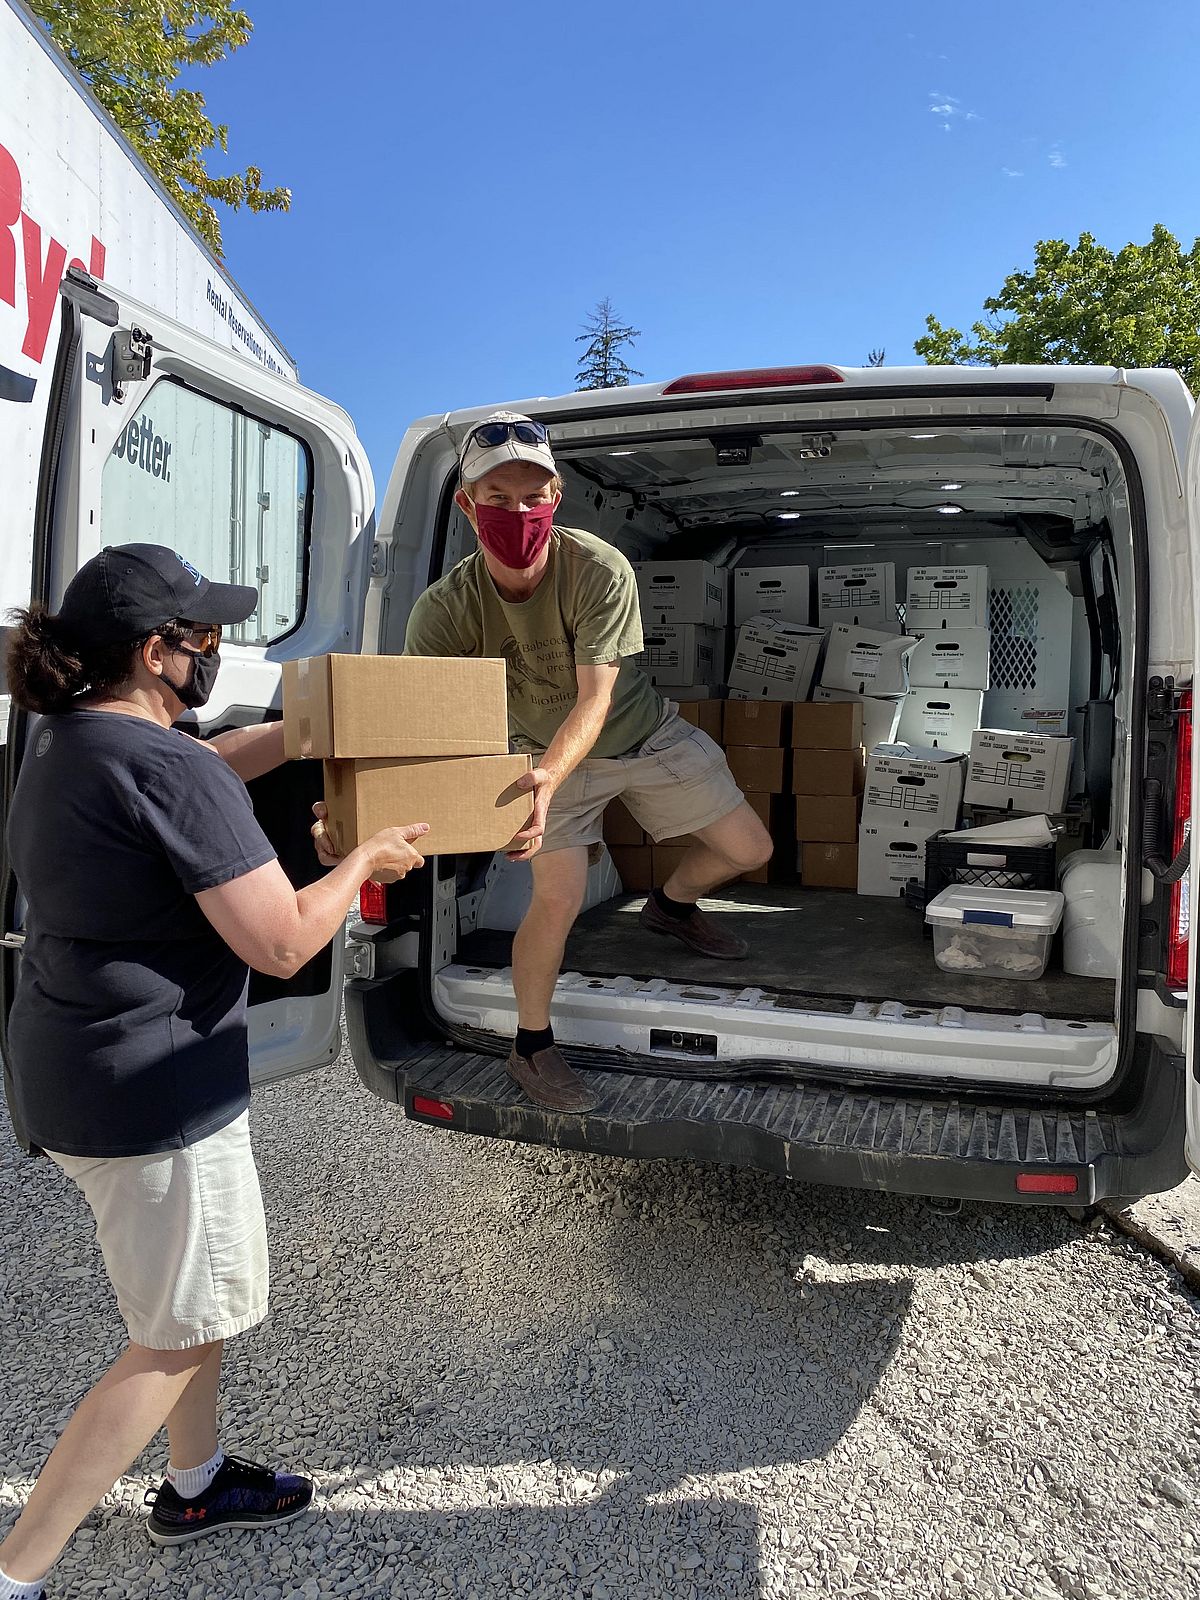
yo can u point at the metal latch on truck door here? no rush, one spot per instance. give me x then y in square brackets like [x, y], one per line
[130, 359]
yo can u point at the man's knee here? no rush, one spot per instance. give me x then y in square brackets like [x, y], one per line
[744, 842]
[558, 895]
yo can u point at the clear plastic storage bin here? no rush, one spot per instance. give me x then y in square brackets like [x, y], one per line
[994, 933]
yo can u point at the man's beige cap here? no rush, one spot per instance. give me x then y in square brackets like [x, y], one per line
[478, 459]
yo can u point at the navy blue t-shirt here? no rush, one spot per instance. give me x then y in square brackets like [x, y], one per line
[128, 1032]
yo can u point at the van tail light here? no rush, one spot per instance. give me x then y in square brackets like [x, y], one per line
[753, 378]
[1047, 1183]
[424, 1105]
[1181, 901]
[372, 902]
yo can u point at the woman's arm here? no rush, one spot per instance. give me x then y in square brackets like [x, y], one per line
[250, 751]
[275, 929]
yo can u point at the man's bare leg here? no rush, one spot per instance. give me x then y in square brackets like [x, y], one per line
[735, 844]
[559, 882]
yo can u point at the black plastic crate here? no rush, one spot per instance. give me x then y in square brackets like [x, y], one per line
[987, 864]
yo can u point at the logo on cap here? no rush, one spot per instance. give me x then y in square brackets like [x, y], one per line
[188, 567]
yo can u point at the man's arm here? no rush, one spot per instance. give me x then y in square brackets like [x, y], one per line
[570, 745]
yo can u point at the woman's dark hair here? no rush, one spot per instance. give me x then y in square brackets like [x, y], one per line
[48, 670]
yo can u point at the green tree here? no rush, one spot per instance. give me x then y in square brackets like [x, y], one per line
[604, 367]
[876, 358]
[1083, 304]
[131, 53]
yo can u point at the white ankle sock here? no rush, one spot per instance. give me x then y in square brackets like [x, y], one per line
[188, 1482]
[10, 1589]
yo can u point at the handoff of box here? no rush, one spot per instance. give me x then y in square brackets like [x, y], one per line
[409, 739]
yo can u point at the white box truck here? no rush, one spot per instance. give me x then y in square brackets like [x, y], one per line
[837, 1052]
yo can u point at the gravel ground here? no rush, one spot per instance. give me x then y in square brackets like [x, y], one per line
[519, 1371]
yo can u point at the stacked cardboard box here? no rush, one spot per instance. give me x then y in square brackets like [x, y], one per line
[827, 782]
[774, 660]
[859, 596]
[911, 792]
[408, 739]
[755, 737]
[684, 612]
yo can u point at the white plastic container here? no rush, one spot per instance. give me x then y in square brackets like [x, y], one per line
[1091, 884]
[994, 933]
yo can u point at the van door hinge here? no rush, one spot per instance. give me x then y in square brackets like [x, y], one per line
[378, 559]
[1160, 701]
[131, 349]
[12, 941]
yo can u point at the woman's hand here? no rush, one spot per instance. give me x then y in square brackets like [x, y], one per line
[391, 850]
[322, 838]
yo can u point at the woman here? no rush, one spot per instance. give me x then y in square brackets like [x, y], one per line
[150, 890]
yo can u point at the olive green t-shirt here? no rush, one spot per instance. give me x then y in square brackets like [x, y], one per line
[584, 612]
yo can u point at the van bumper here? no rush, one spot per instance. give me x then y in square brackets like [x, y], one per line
[861, 1138]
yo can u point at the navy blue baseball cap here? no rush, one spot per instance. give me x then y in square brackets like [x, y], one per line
[129, 590]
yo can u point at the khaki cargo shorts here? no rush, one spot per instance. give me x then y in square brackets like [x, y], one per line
[183, 1237]
[677, 782]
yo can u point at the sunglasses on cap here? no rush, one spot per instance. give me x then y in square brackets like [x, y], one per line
[491, 434]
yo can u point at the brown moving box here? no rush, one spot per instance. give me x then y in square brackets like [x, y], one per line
[633, 863]
[828, 818]
[353, 706]
[756, 722]
[828, 771]
[470, 802]
[705, 714]
[620, 827]
[829, 866]
[829, 725]
[756, 771]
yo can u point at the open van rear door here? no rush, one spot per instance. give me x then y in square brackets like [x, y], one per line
[1190, 883]
[155, 433]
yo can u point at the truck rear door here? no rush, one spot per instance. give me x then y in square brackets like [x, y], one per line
[157, 433]
[1184, 901]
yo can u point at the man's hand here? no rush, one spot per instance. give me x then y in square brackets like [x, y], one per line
[528, 842]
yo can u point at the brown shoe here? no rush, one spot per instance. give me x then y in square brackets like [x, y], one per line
[549, 1081]
[699, 932]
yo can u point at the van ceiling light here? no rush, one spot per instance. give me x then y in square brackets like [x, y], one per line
[788, 494]
[949, 511]
[630, 452]
[753, 378]
[950, 486]
[922, 436]
[786, 516]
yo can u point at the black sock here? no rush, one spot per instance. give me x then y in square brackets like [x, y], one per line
[681, 910]
[530, 1039]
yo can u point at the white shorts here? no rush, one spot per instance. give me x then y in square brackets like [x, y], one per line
[183, 1237]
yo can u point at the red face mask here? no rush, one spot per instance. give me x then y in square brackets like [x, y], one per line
[515, 538]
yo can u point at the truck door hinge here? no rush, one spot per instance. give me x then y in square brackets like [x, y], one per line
[131, 348]
[378, 559]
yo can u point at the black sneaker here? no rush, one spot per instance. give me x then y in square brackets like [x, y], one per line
[241, 1495]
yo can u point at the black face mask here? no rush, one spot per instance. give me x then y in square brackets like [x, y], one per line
[195, 689]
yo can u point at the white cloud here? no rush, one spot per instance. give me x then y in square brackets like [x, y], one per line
[1057, 159]
[1010, 172]
[948, 108]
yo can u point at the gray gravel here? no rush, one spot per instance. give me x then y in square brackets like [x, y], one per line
[521, 1372]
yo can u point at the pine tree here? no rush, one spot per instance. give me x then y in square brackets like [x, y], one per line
[875, 358]
[604, 367]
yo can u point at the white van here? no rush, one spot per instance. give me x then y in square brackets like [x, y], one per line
[1077, 488]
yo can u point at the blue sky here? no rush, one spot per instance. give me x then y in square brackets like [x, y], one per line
[755, 182]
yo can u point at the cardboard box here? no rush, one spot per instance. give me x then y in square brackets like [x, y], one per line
[756, 722]
[946, 597]
[954, 658]
[827, 727]
[860, 596]
[828, 866]
[619, 826]
[634, 866]
[708, 715]
[865, 661]
[349, 706]
[687, 693]
[774, 660]
[1018, 771]
[904, 789]
[943, 718]
[888, 858]
[758, 771]
[881, 718]
[681, 591]
[682, 653]
[778, 592]
[827, 818]
[827, 771]
[470, 802]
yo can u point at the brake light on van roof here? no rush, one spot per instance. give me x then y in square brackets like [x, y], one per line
[753, 378]
[1180, 925]
[372, 902]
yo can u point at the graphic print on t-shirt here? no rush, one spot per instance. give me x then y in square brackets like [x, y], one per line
[522, 676]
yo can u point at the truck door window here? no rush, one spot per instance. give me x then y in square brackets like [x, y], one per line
[227, 491]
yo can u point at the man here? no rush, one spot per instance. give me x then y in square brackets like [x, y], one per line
[561, 607]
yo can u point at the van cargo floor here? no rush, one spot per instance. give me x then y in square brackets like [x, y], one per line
[807, 942]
